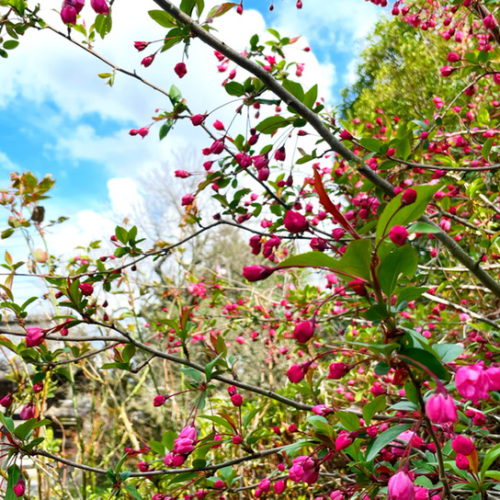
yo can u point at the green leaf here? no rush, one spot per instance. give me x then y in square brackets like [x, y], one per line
[321, 425]
[490, 457]
[121, 234]
[10, 44]
[382, 368]
[132, 490]
[165, 128]
[384, 439]
[354, 262]
[234, 88]
[103, 24]
[373, 407]
[448, 352]
[128, 352]
[271, 124]
[22, 431]
[187, 6]
[14, 474]
[410, 293]
[418, 357]
[485, 150]
[162, 18]
[295, 88]
[394, 215]
[349, 421]
[403, 148]
[371, 144]
[401, 260]
[7, 422]
[311, 96]
[423, 227]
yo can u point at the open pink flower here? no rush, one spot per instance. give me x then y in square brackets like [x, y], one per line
[304, 469]
[472, 383]
[34, 336]
[441, 409]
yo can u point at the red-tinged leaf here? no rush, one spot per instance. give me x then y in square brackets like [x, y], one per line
[220, 10]
[330, 207]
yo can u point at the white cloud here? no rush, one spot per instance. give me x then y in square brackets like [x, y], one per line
[6, 163]
[336, 25]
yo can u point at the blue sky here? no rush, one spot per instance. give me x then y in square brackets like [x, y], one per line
[57, 117]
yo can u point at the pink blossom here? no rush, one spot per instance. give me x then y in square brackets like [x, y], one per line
[27, 412]
[159, 400]
[346, 135]
[462, 462]
[493, 377]
[304, 331]
[237, 399]
[463, 445]
[280, 154]
[295, 222]
[472, 383]
[296, 373]
[441, 409]
[19, 488]
[398, 235]
[279, 486]
[140, 46]
[34, 336]
[183, 446]
[148, 60]
[86, 288]
[408, 197]
[304, 469]
[197, 119]
[68, 14]
[343, 441]
[490, 22]
[6, 400]
[218, 125]
[257, 273]
[100, 6]
[400, 487]
[338, 370]
[447, 70]
[187, 199]
[180, 69]
[182, 174]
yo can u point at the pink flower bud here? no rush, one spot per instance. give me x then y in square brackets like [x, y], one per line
[217, 147]
[441, 409]
[490, 22]
[346, 135]
[86, 288]
[19, 488]
[182, 174]
[140, 46]
[143, 131]
[68, 14]
[219, 484]
[398, 235]
[180, 69]
[197, 119]
[237, 399]
[453, 57]
[358, 285]
[493, 377]
[304, 469]
[27, 412]
[338, 370]
[295, 222]
[400, 487]
[148, 60]
[304, 331]
[100, 6]
[159, 400]
[231, 390]
[472, 383]
[279, 486]
[296, 373]
[236, 439]
[7, 400]
[446, 70]
[218, 125]
[34, 336]
[280, 154]
[257, 273]
[462, 462]
[408, 197]
[187, 199]
[463, 445]
[343, 441]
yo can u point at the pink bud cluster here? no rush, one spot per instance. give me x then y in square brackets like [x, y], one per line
[183, 447]
[71, 8]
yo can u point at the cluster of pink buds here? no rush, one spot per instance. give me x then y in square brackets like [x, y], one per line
[71, 8]
[304, 469]
[236, 397]
[183, 447]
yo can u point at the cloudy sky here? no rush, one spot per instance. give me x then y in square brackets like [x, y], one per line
[58, 117]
